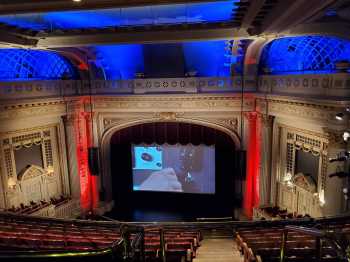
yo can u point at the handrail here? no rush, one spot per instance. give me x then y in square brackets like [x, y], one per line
[319, 235]
[306, 230]
[300, 221]
[162, 244]
[62, 254]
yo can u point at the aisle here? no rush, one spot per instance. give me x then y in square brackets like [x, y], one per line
[218, 250]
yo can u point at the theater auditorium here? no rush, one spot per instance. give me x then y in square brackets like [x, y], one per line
[175, 130]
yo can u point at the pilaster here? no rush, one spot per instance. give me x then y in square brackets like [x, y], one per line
[74, 179]
[266, 124]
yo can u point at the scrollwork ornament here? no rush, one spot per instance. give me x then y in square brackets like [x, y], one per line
[335, 137]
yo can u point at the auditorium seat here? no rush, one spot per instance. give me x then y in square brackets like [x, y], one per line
[266, 244]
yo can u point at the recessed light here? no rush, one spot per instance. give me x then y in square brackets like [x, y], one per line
[76, 0]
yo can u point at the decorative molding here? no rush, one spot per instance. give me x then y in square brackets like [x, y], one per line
[313, 142]
[25, 111]
[251, 116]
[301, 108]
[176, 103]
[168, 116]
[7, 134]
[335, 137]
[321, 136]
[266, 120]
[325, 85]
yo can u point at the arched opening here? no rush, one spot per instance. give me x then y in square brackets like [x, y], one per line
[131, 204]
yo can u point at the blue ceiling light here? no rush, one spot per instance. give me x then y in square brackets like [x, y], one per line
[149, 15]
[205, 59]
[304, 55]
[24, 64]
[120, 62]
[208, 59]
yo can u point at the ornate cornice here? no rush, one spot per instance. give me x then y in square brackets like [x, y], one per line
[28, 130]
[302, 110]
[173, 103]
[323, 137]
[225, 120]
[32, 110]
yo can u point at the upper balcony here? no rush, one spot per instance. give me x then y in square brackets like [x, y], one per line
[323, 86]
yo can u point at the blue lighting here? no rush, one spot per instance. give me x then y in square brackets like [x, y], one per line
[304, 55]
[148, 15]
[207, 59]
[23, 64]
[120, 62]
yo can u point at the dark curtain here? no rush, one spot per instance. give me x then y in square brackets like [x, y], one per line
[172, 133]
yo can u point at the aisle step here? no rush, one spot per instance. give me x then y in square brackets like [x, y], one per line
[218, 250]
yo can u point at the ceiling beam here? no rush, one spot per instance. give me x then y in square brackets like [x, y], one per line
[141, 37]
[11, 40]
[289, 13]
[30, 6]
[254, 8]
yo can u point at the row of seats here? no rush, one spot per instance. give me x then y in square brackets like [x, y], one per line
[179, 244]
[36, 206]
[264, 244]
[278, 213]
[23, 234]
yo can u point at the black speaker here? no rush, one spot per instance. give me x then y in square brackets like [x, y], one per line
[93, 161]
[240, 163]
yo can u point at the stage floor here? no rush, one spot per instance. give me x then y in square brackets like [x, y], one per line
[164, 215]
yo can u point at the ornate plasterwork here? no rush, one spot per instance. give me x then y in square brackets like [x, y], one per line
[225, 120]
[266, 120]
[32, 110]
[300, 109]
[174, 103]
[315, 143]
[335, 137]
[169, 116]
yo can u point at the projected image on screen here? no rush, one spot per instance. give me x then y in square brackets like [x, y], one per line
[174, 168]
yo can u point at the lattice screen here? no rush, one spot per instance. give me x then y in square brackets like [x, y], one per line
[25, 64]
[313, 54]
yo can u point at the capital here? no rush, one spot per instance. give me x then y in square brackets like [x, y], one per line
[266, 120]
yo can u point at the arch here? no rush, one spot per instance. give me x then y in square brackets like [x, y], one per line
[107, 134]
[26, 64]
[303, 54]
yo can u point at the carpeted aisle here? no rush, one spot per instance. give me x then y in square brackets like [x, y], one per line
[218, 250]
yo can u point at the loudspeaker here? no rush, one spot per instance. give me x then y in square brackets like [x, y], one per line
[93, 161]
[240, 163]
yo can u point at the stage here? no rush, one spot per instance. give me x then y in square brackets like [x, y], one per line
[165, 214]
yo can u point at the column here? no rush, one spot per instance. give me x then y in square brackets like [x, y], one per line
[251, 196]
[72, 157]
[63, 158]
[266, 123]
[93, 179]
[2, 184]
[275, 162]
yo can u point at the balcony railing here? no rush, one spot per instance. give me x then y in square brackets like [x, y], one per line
[322, 85]
[327, 86]
[60, 88]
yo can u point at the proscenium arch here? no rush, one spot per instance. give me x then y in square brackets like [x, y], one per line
[107, 134]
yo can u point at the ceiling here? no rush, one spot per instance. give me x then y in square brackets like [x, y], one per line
[64, 23]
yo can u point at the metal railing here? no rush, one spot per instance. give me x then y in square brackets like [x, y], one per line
[60, 254]
[128, 248]
[319, 236]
